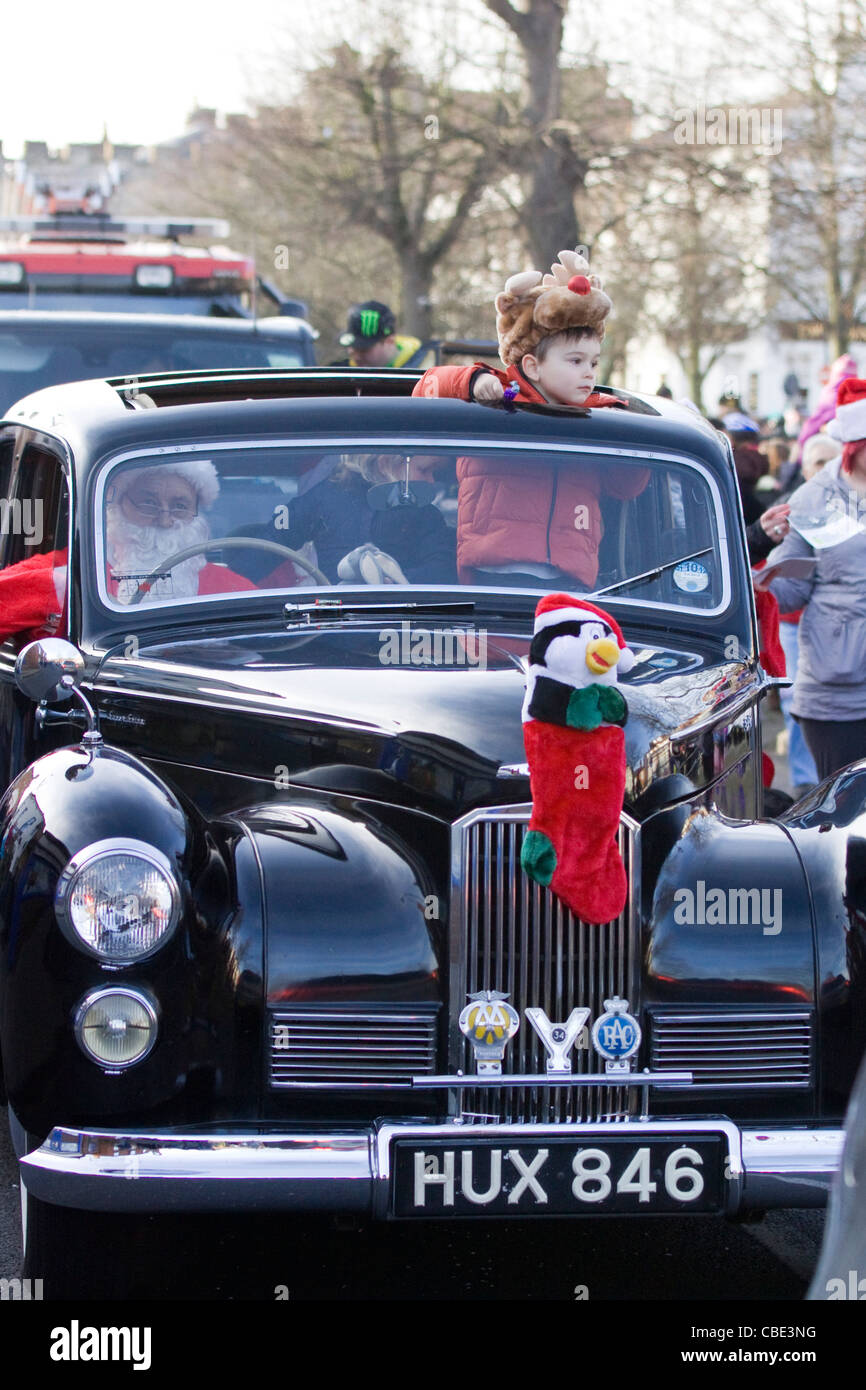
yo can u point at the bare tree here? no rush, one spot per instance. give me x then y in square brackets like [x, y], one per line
[817, 252]
[393, 157]
[555, 168]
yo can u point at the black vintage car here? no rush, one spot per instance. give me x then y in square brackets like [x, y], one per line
[267, 789]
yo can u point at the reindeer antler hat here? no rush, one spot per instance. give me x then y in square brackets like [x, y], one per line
[533, 306]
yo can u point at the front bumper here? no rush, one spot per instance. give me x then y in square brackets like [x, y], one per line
[350, 1170]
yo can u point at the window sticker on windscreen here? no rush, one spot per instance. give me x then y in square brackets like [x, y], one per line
[691, 577]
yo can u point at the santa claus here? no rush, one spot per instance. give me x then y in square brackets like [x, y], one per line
[150, 514]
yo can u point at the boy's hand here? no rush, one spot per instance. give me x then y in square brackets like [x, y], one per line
[487, 389]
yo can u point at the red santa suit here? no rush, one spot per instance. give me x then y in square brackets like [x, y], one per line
[32, 593]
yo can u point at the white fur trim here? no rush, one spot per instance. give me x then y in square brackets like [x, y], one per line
[199, 473]
[570, 614]
[850, 422]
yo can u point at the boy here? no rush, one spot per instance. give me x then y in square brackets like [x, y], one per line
[514, 526]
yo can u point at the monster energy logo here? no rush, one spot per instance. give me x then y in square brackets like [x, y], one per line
[369, 322]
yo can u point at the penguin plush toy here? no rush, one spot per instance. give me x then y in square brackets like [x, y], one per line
[573, 715]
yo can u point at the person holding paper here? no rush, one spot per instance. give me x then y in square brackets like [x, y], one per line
[828, 525]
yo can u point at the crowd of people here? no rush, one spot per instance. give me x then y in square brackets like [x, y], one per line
[804, 499]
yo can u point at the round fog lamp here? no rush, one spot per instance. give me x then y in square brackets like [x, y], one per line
[116, 1027]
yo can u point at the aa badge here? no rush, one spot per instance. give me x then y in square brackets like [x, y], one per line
[489, 1022]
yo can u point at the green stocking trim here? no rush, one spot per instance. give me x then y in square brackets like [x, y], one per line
[538, 857]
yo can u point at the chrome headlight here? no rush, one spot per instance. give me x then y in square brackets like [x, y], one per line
[116, 1027]
[118, 899]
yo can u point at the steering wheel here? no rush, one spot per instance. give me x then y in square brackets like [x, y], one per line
[228, 543]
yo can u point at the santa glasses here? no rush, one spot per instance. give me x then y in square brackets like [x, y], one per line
[151, 508]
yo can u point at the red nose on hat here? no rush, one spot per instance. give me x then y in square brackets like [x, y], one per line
[578, 284]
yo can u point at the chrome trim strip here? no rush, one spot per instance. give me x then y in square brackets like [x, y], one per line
[469, 1080]
[790, 1167]
[202, 1172]
[350, 1170]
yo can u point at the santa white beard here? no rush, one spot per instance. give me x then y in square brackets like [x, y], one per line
[135, 551]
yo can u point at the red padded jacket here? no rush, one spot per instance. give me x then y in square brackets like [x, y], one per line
[507, 517]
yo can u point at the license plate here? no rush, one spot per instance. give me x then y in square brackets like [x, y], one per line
[558, 1176]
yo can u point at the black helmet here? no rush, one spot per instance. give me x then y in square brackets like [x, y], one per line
[368, 323]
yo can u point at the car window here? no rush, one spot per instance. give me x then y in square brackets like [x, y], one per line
[643, 528]
[34, 516]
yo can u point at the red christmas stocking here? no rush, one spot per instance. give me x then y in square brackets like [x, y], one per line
[578, 783]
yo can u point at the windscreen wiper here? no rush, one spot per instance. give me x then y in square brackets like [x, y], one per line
[652, 574]
[333, 609]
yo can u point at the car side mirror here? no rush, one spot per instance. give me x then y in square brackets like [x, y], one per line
[42, 665]
[48, 667]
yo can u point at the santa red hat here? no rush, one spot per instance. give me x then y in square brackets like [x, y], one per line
[568, 608]
[850, 421]
[199, 473]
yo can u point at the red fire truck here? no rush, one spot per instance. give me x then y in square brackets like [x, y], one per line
[80, 258]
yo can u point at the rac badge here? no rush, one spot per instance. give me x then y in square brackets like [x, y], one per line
[489, 1023]
[616, 1035]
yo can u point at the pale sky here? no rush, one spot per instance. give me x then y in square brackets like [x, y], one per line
[71, 66]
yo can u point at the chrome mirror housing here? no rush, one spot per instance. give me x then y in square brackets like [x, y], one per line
[49, 667]
[42, 666]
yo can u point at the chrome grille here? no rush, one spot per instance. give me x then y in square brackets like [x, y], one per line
[351, 1048]
[512, 935]
[745, 1050]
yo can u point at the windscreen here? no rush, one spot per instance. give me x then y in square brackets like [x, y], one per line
[33, 357]
[241, 519]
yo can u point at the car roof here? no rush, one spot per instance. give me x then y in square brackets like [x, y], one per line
[99, 417]
[169, 324]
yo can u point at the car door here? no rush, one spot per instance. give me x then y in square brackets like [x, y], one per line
[34, 520]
